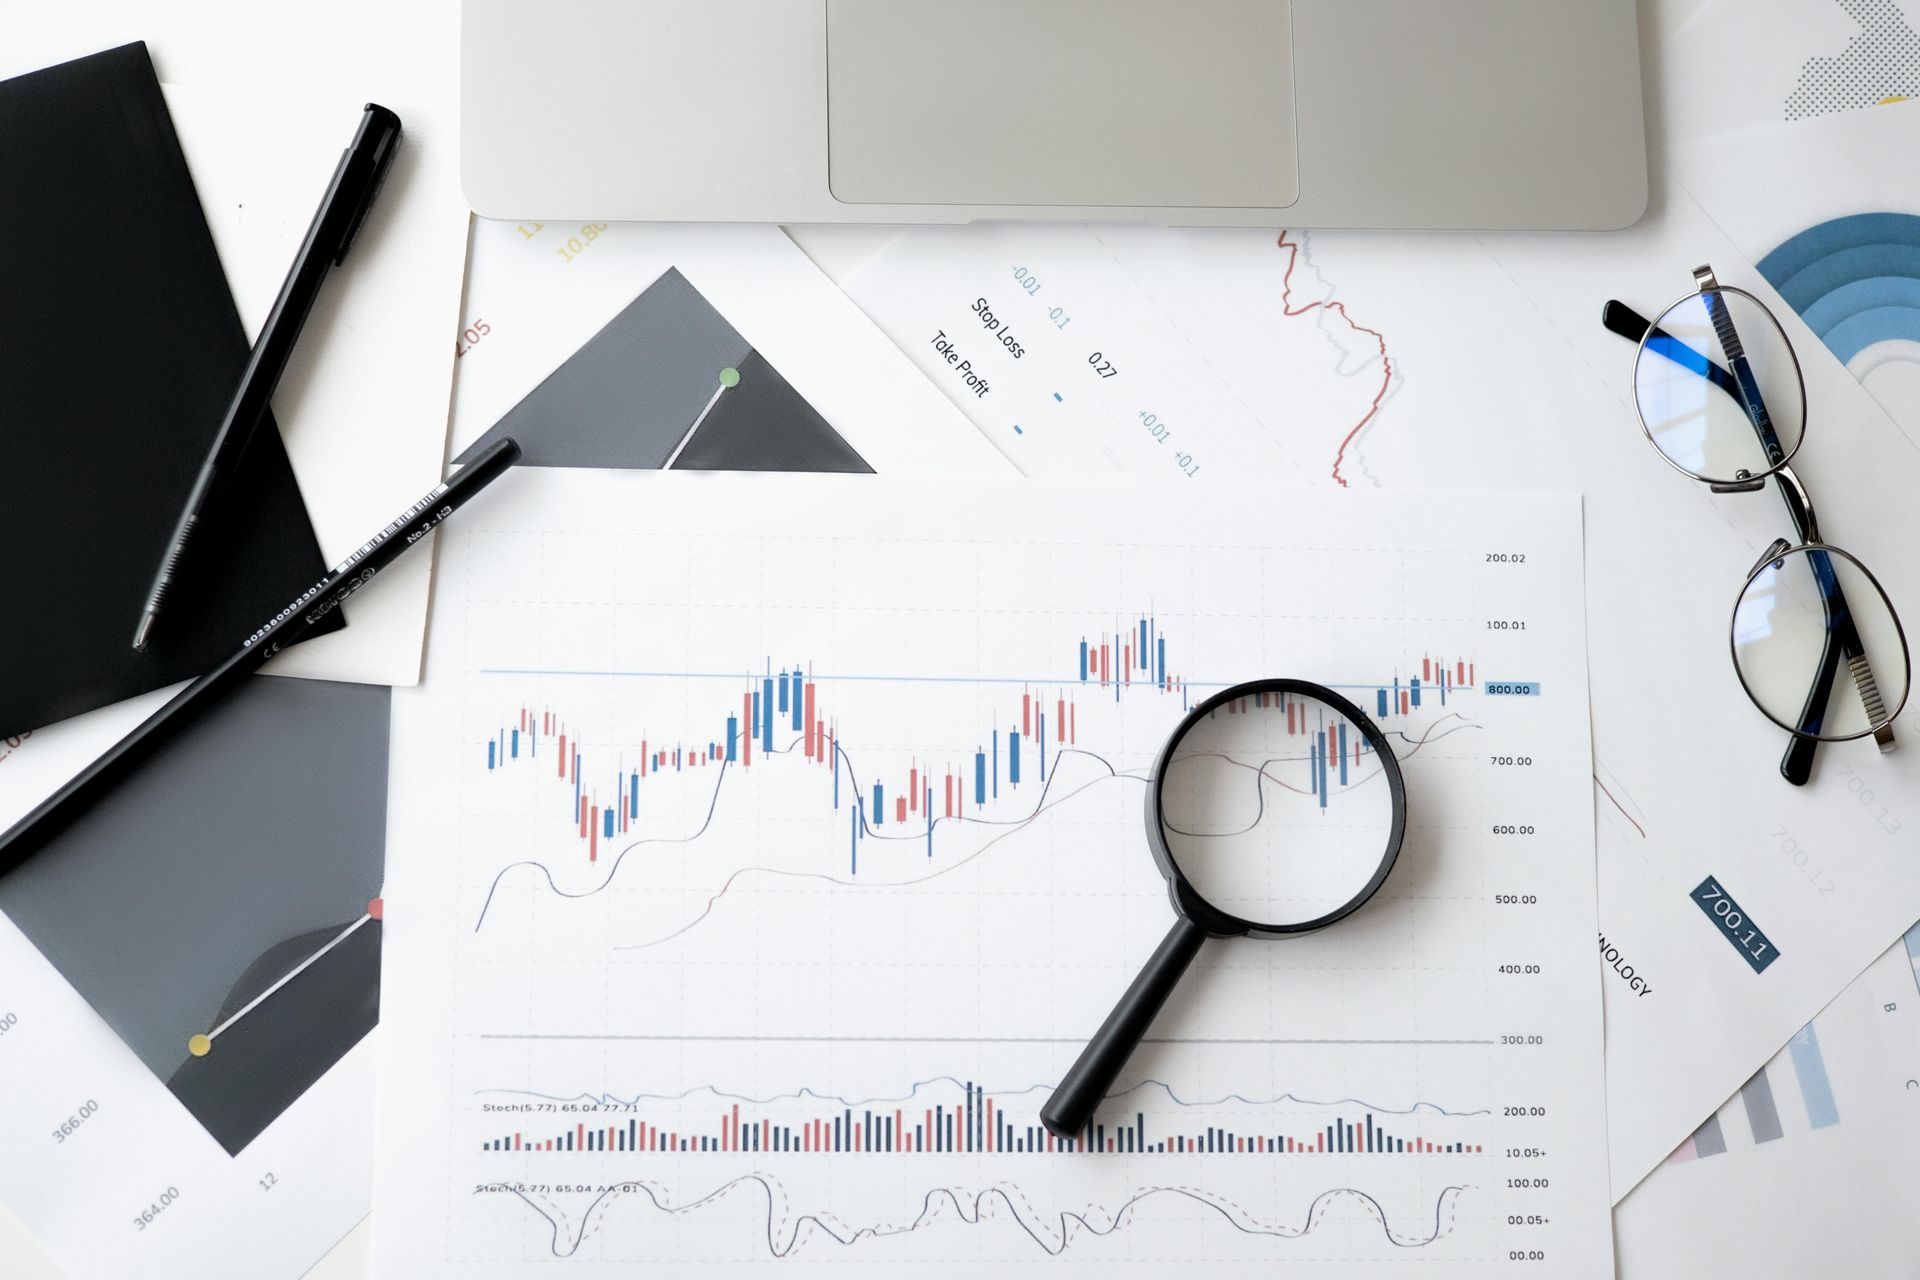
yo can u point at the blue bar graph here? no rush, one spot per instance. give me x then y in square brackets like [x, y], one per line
[1815, 1089]
[766, 712]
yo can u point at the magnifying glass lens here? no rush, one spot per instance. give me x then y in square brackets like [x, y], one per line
[1275, 809]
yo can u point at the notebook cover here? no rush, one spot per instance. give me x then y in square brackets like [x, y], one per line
[119, 349]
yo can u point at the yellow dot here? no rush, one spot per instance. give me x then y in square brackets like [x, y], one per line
[1898, 97]
[199, 1046]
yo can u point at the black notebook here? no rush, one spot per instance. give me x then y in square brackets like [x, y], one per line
[119, 350]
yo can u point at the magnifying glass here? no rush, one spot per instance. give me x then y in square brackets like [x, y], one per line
[1276, 808]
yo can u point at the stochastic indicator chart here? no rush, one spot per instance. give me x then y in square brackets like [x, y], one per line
[970, 1125]
[771, 874]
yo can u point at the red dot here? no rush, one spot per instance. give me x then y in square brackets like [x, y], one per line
[377, 908]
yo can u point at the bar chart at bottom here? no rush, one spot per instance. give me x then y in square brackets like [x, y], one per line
[768, 879]
[973, 1126]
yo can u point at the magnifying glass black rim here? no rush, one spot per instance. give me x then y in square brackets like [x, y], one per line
[1186, 899]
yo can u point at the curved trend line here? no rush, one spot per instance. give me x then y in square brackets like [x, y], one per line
[929, 1209]
[866, 830]
[1386, 361]
[1432, 734]
[1261, 778]
[804, 1092]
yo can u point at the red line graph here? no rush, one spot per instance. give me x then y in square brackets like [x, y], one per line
[1386, 361]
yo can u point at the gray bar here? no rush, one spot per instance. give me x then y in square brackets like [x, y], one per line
[1762, 1115]
[1708, 1140]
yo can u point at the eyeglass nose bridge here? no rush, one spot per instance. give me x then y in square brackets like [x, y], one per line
[1773, 553]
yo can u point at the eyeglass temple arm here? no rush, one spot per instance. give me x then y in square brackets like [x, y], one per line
[1796, 765]
[1746, 387]
[1842, 641]
[1623, 321]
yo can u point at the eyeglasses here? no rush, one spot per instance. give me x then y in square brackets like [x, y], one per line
[1719, 393]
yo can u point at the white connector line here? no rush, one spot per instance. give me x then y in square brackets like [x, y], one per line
[675, 455]
[297, 970]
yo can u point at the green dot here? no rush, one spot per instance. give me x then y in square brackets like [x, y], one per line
[729, 377]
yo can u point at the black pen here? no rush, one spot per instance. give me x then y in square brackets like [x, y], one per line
[363, 167]
[63, 806]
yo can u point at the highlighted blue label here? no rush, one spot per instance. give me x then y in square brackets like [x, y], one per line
[1736, 925]
[1511, 688]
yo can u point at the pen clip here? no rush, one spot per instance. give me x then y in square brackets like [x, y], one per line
[384, 145]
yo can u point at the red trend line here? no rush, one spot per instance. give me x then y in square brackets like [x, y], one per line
[1386, 361]
[1622, 808]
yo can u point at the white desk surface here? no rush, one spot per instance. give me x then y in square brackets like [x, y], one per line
[228, 43]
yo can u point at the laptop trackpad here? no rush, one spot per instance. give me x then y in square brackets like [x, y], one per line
[1062, 102]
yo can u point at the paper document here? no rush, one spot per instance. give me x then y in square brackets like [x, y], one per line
[1812, 1164]
[1403, 361]
[769, 847]
[713, 298]
[363, 405]
[1742, 63]
[1830, 211]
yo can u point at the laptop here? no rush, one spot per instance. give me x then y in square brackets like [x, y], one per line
[1485, 114]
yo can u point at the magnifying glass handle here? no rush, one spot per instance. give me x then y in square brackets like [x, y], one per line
[1093, 1073]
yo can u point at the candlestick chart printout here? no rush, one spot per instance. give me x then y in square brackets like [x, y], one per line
[769, 849]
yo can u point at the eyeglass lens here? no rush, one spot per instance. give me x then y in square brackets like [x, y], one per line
[1788, 616]
[1718, 388]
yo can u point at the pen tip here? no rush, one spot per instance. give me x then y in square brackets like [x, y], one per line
[140, 632]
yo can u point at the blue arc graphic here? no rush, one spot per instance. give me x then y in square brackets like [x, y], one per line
[1854, 280]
